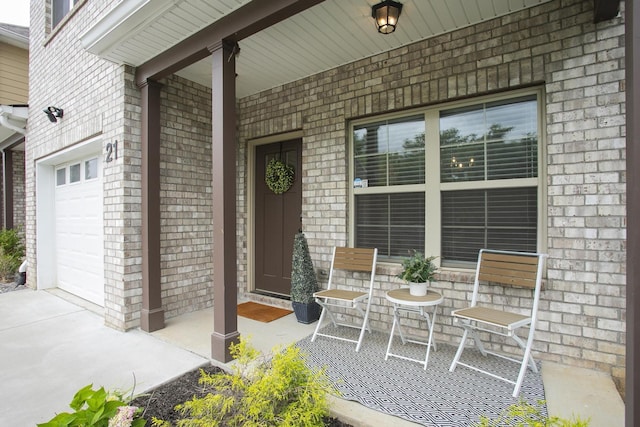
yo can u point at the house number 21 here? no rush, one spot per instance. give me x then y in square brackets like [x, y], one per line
[112, 151]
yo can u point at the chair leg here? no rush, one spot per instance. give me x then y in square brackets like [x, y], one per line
[523, 346]
[526, 359]
[322, 314]
[460, 350]
[477, 341]
[365, 325]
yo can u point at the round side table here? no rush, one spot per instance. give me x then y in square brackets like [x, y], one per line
[402, 300]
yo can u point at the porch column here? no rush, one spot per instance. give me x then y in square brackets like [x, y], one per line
[152, 315]
[223, 120]
[8, 188]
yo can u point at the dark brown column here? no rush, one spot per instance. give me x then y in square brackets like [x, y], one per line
[8, 189]
[632, 66]
[225, 298]
[152, 315]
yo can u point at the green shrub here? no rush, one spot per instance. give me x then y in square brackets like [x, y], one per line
[97, 408]
[12, 252]
[523, 414]
[281, 391]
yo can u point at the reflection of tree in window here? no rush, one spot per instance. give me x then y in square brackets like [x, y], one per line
[407, 166]
[506, 150]
[390, 152]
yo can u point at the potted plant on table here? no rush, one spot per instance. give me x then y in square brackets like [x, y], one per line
[418, 271]
[303, 282]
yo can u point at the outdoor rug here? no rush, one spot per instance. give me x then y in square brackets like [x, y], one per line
[435, 397]
[261, 312]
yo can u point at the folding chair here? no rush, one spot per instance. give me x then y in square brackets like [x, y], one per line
[517, 269]
[347, 259]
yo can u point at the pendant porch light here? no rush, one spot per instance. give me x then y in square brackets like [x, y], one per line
[386, 14]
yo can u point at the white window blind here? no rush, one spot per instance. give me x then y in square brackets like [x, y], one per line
[449, 181]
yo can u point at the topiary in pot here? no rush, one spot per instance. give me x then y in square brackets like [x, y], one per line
[303, 282]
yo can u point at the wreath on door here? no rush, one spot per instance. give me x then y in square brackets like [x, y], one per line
[279, 176]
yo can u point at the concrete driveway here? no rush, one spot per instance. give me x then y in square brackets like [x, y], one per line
[51, 347]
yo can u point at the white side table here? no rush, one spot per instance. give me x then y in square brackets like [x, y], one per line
[403, 301]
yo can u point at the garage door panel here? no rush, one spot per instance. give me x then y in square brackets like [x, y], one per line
[79, 235]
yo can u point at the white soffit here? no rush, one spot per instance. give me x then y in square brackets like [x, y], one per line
[332, 33]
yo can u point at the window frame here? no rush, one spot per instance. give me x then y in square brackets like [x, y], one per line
[433, 223]
[52, 29]
[55, 4]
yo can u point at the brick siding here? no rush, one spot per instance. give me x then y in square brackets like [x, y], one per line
[581, 66]
[556, 45]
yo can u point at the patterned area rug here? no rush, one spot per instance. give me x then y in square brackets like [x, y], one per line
[435, 397]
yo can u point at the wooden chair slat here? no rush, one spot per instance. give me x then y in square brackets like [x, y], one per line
[353, 259]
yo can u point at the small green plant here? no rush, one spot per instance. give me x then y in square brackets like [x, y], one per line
[281, 391]
[97, 408]
[11, 252]
[524, 414]
[418, 269]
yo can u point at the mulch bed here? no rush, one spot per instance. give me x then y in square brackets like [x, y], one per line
[161, 401]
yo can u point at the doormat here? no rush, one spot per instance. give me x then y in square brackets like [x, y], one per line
[261, 312]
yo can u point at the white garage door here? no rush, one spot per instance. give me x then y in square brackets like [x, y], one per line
[79, 246]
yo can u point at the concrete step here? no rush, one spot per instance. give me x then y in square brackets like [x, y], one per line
[586, 393]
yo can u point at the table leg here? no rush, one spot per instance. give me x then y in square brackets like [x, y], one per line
[393, 328]
[430, 323]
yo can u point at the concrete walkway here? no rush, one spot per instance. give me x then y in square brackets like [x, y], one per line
[50, 348]
[52, 344]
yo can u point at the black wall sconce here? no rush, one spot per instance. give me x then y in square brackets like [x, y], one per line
[386, 14]
[53, 113]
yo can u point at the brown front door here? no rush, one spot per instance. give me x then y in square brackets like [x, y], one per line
[277, 219]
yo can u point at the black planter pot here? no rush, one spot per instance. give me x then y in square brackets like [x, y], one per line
[306, 312]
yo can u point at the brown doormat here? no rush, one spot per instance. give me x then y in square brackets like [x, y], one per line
[261, 312]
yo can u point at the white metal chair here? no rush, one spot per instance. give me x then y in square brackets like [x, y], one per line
[517, 269]
[348, 259]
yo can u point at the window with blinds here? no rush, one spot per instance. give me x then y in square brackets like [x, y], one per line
[485, 155]
[388, 156]
[490, 145]
[390, 153]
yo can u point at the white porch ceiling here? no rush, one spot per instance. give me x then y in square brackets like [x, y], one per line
[333, 33]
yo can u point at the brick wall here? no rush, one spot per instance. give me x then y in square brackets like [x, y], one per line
[581, 67]
[101, 100]
[18, 190]
[90, 91]
[556, 45]
[186, 199]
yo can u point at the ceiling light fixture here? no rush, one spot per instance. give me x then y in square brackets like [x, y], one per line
[386, 14]
[53, 113]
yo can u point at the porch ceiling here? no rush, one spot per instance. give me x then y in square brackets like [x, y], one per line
[332, 33]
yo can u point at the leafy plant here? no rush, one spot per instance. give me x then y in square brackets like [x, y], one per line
[303, 277]
[12, 252]
[418, 269]
[97, 408]
[281, 391]
[524, 414]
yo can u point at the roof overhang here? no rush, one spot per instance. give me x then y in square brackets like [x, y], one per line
[13, 124]
[10, 35]
[320, 36]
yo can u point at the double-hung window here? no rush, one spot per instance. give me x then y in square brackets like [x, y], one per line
[449, 180]
[60, 9]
